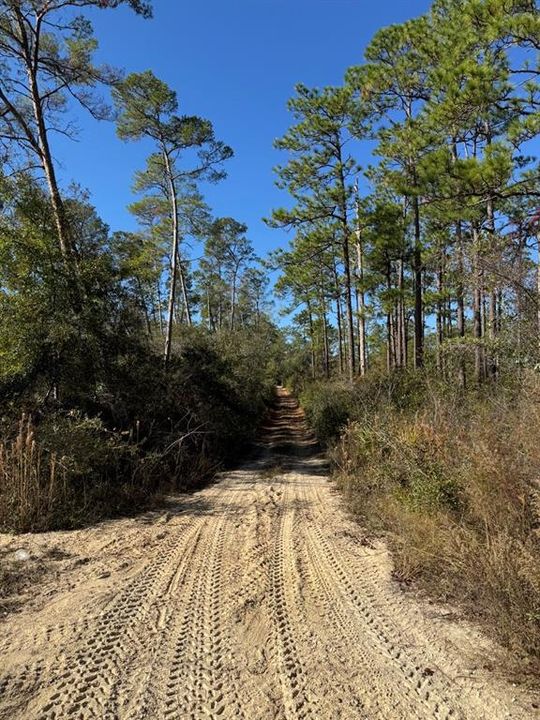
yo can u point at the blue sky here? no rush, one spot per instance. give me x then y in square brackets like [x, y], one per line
[236, 63]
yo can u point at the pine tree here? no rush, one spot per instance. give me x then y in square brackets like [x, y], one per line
[320, 176]
[46, 58]
[147, 109]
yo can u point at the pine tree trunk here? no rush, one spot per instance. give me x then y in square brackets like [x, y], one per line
[402, 331]
[493, 366]
[460, 295]
[520, 303]
[184, 290]
[492, 325]
[339, 313]
[538, 289]
[233, 301]
[395, 332]
[347, 265]
[391, 325]
[349, 307]
[389, 354]
[160, 307]
[174, 259]
[326, 345]
[45, 155]
[360, 297]
[462, 373]
[484, 327]
[479, 361]
[418, 290]
[340, 336]
[440, 320]
[312, 341]
[170, 308]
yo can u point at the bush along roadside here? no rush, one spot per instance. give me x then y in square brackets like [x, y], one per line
[148, 431]
[451, 480]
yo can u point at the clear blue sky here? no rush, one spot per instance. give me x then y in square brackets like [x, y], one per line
[235, 62]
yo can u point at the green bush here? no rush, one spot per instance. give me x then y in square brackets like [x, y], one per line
[328, 407]
[141, 431]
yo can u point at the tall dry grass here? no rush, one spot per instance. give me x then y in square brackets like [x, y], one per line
[455, 487]
[33, 482]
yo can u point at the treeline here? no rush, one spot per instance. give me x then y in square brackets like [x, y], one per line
[125, 366]
[429, 256]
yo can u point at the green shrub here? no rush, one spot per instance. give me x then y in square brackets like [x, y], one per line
[327, 407]
[143, 430]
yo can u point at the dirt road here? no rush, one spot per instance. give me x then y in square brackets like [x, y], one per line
[256, 598]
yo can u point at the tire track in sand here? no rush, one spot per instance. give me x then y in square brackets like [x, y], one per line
[86, 683]
[201, 668]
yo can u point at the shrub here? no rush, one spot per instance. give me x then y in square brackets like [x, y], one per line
[327, 407]
[453, 486]
[61, 473]
[146, 430]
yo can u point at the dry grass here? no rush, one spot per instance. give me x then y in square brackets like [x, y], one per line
[70, 471]
[455, 487]
[67, 473]
[33, 482]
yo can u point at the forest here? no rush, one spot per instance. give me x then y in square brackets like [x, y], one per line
[405, 312]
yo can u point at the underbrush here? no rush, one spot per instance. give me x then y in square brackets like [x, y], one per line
[452, 480]
[67, 463]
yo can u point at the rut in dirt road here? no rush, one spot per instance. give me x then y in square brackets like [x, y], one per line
[255, 599]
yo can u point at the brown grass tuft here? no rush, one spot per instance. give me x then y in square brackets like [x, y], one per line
[33, 482]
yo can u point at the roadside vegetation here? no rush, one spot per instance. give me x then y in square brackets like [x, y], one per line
[414, 289]
[450, 479]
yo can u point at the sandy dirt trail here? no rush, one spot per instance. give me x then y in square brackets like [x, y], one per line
[256, 598]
